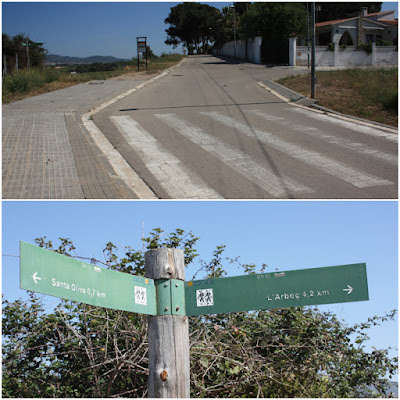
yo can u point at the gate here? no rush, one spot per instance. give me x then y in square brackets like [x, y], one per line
[275, 51]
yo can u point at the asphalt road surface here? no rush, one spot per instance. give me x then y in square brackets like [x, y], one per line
[208, 130]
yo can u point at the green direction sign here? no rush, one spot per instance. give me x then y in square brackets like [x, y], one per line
[339, 284]
[58, 275]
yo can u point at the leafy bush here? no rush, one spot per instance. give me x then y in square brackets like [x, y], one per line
[331, 46]
[25, 80]
[391, 103]
[78, 350]
[367, 47]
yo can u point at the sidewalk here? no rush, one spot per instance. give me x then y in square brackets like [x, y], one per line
[48, 154]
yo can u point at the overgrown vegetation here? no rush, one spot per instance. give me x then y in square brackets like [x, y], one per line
[77, 350]
[24, 83]
[364, 93]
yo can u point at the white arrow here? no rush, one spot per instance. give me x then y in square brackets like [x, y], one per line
[36, 278]
[348, 290]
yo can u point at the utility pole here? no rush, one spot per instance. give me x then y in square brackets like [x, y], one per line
[246, 30]
[27, 55]
[308, 38]
[232, 7]
[169, 368]
[313, 37]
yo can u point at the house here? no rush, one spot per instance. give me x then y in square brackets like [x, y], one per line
[365, 28]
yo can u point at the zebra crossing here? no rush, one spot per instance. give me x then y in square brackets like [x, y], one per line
[179, 180]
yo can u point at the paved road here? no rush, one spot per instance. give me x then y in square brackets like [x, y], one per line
[209, 130]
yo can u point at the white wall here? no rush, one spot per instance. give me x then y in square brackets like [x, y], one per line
[350, 56]
[253, 49]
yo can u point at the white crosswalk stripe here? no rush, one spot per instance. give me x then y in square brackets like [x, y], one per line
[367, 130]
[172, 175]
[317, 133]
[236, 159]
[310, 157]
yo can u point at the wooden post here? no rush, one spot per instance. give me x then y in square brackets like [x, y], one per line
[169, 370]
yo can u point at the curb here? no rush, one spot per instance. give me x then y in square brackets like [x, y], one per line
[119, 164]
[293, 98]
[288, 94]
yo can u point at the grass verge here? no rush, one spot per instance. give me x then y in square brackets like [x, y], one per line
[370, 94]
[18, 86]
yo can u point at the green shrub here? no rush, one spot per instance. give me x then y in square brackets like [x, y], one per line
[331, 46]
[391, 102]
[25, 80]
[367, 47]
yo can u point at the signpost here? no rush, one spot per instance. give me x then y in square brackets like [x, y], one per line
[305, 287]
[141, 48]
[168, 299]
[58, 275]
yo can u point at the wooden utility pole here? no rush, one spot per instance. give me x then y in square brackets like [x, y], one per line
[169, 370]
[27, 55]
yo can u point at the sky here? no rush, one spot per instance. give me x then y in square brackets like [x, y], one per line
[285, 235]
[83, 29]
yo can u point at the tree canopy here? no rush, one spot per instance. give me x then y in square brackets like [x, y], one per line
[328, 11]
[193, 25]
[77, 350]
[13, 45]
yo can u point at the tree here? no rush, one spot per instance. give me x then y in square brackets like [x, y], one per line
[277, 21]
[193, 25]
[328, 11]
[79, 350]
[150, 54]
[13, 45]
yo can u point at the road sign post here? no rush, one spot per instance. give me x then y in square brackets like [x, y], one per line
[141, 48]
[169, 369]
[61, 276]
[315, 286]
[169, 300]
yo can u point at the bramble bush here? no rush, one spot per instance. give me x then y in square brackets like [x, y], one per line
[77, 350]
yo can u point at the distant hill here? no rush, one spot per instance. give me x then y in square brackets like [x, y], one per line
[55, 59]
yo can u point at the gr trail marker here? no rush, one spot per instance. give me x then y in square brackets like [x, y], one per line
[339, 284]
[58, 275]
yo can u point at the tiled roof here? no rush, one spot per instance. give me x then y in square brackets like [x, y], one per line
[389, 21]
[336, 21]
[380, 13]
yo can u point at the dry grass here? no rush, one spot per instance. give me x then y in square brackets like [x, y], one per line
[369, 94]
[36, 82]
